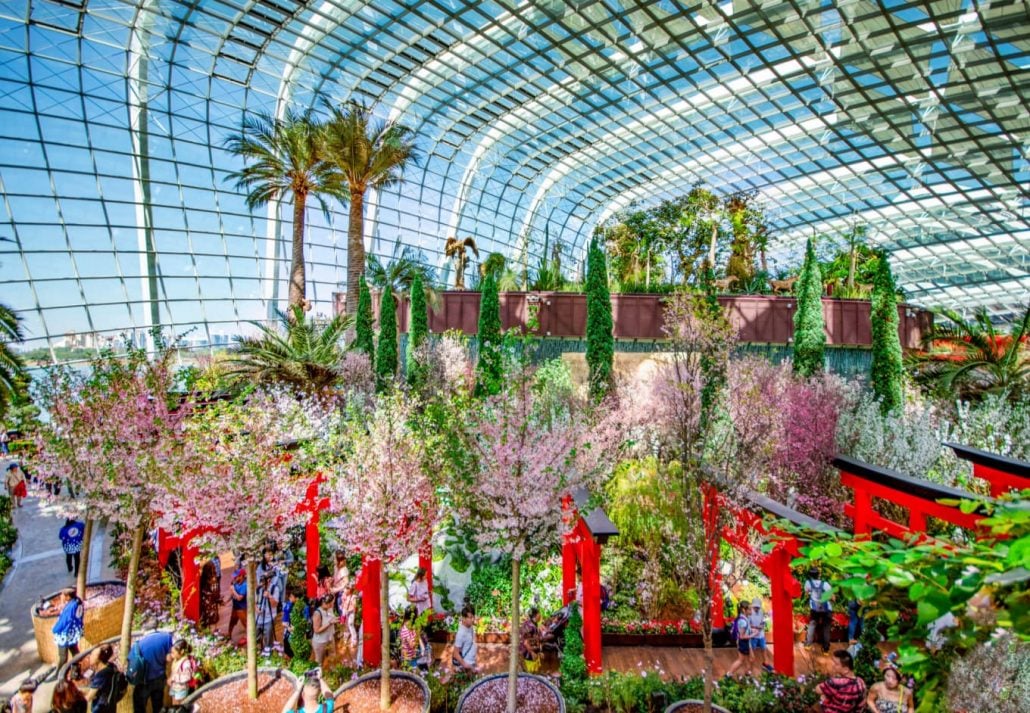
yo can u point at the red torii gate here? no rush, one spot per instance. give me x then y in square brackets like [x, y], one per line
[1003, 473]
[582, 545]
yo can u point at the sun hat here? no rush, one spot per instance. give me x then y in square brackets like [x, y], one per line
[756, 602]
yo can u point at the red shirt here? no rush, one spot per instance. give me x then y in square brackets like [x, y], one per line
[843, 695]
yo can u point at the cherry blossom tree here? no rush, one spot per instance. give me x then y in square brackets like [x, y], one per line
[241, 488]
[382, 489]
[525, 455]
[116, 435]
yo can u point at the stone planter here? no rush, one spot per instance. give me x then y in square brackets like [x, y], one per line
[692, 706]
[100, 622]
[474, 700]
[371, 680]
[273, 694]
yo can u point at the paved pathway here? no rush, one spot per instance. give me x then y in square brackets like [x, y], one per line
[39, 569]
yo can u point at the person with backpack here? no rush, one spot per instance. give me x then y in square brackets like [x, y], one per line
[146, 671]
[107, 685]
[184, 670]
[740, 633]
[819, 597]
[759, 625]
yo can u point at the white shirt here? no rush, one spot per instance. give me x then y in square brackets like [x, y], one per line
[465, 644]
[418, 594]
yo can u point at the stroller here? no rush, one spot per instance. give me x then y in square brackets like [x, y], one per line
[553, 633]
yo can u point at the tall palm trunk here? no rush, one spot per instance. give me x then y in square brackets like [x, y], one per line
[252, 681]
[355, 249]
[384, 627]
[130, 595]
[513, 655]
[298, 280]
[80, 580]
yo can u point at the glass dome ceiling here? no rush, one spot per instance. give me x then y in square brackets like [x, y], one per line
[536, 117]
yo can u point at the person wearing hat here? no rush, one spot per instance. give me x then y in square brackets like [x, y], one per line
[759, 623]
[889, 695]
[16, 487]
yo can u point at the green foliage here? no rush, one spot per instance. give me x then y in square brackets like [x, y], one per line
[12, 365]
[444, 694]
[300, 640]
[573, 663]
[8, 535]
[386, 350]
[490, 589]
[886, 368]
[600, 351]
[809, 328]
[910, 585]
[490, 365]
[418, 331]
[364, 337]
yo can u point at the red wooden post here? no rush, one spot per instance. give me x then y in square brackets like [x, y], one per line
[863, 508]
[425, 561]
[782, 613]
[369, 584]
[312, 546]
[916, 520]
[190, 594]
[711, 522]
[591, 564]
[568, 568]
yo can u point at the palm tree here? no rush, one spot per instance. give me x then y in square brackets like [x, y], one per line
[302, 353]
[367, 154]
[979, 358]
[455, 249]
[12, 367]
[284, 162]
[399, 273]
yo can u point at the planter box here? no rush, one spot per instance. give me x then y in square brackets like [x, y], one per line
[99, 623]
[195, 703]
[503, 678]
[758, 319]
[373, 678]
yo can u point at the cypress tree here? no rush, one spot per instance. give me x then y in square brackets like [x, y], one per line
[418, 329]
[573, 663]
[490, 365]
[809, 327]
[364, 338]
[386, 353]
[600, 342]
[886, 369]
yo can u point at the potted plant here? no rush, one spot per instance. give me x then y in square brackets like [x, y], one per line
[275, 687]
[408, 693]
[491, 694]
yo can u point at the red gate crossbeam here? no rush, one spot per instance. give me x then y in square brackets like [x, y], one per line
[920, 497]
[1003, 473]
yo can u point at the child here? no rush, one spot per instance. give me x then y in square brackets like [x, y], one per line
[291, 599]
[409, 640]
[743, 625]
[22, 701]
[184, 668]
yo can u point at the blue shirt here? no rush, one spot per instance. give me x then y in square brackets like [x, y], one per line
[154, 648]
[71, 537]
[287, 611]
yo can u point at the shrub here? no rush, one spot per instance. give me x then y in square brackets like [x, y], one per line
[300, 637]
[573, 664]
[386, 352]
[994, 676]
[418, 331]
[490, 365]
[364, 339]
[600, 350]
[809, 328]
[886, 370]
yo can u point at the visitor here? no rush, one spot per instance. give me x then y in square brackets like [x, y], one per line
[67, 698]
[268, 597]
[855, 621]
[323, 628]
[238, 593]
[530, 645]
[22, 701]
[347, 603]
[210, 592]
[325, 582]
[889, 695]
[306, 699]
[418, 592]
[291, 600]
[154, 648]
[742, 628]
[184, 668]
[843, 691]
[69, 625]
[5, 441]
[71, 542]
[759, 625]
[819, 598]
[409, 640]
[16, 487]
[465, 650]
[102, 683]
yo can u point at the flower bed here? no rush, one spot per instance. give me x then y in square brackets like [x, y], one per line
[408, 694]
[534, 694]
[229, 693]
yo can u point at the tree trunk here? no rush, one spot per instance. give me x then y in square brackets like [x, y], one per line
[513, 657]
[252, 682]
[80, 581]
[130, 596]
[852, 264]
[711, 248]
[355, 249]
[384, 627]
[709, 659]
[298, 282]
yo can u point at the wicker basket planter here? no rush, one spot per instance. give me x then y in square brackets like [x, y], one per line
[372, 680]
[124, 705]
[241, 703]
[691, 705]
[502, 680]
[99, 622]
